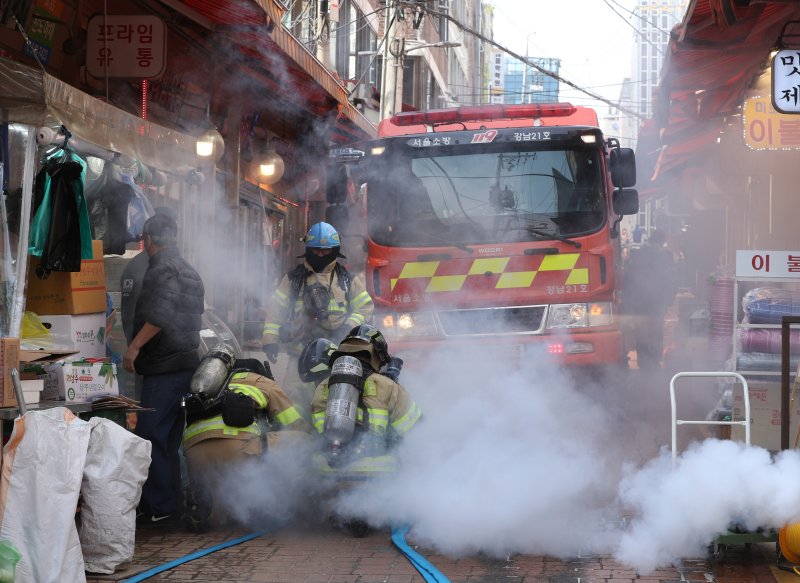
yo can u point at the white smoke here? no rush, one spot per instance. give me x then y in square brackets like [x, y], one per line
[716, 485]
[503, 461]
[523, 462]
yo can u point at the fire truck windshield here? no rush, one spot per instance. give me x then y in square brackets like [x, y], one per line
[439, 197]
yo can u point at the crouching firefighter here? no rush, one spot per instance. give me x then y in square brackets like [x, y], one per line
[360, 412]
[235, 412]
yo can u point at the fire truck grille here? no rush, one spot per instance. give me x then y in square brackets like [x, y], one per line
[519, 320]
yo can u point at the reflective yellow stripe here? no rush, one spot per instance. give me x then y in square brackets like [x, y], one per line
[280, 298]
[216, 424]
[251, 391]
[494, 265]
[318, 419]
[578, 276]
[560, 262]
[408, 420]
[271, 328]
[515, 279]
[378, 420]
[361, 300]
[446, 283]
[287, 416]
[356, 318]
[419, 269]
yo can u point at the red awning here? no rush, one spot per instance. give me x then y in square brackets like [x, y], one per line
[260, 35]
[713, 57]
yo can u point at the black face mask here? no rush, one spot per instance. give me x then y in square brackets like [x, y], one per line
[318, 263]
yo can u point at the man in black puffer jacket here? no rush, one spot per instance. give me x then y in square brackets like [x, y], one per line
[166, 334]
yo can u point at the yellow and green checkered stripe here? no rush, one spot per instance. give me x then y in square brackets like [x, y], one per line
[564, 262]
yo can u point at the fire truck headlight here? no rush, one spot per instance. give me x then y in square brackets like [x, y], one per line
[567, 316]
[416, 324]
[579, 315]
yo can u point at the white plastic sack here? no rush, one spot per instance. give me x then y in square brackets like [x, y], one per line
[116, 468]
[41, 481]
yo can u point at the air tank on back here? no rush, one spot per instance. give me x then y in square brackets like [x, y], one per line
[342, 409]
[212, 371]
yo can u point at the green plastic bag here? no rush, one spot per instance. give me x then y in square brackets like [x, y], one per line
[9, 557]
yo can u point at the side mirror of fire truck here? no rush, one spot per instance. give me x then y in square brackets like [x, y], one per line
[623, 167]
[626, 201]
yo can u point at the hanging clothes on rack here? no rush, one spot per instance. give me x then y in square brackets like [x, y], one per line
[118, 207]
[60, 231]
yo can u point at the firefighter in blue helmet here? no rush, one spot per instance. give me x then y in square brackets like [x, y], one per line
[319, 298]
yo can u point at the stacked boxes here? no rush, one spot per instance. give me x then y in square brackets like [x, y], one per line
[83, 292]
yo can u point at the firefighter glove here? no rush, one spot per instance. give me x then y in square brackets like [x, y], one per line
[271, 350]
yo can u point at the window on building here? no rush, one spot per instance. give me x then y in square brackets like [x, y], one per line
[356, 44]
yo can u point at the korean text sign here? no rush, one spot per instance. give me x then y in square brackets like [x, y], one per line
[126, 45]
[786, 81]
[768, 264]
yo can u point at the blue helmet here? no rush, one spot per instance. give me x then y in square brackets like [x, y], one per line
[322, 236]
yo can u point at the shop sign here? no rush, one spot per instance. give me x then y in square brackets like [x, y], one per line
[768, 264]
[498, 79]
[126, 45]
[765, 128]
[786, 81]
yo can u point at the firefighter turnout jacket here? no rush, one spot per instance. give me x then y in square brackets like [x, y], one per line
[390, 410]
[345, 309]
[267, 396]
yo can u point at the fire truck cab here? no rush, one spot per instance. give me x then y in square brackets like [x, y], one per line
[497, 226]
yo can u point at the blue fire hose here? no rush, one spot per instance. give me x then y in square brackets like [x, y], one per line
[430, 573]
[191, 557]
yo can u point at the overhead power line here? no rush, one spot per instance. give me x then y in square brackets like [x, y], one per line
[527, 61]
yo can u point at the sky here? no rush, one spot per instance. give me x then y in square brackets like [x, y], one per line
[593, 43]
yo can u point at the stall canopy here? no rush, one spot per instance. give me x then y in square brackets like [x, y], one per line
[713, 57]
[31, 96]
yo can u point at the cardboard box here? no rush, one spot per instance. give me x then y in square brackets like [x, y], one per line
[83, 292]
[765, 415]
[80, 382]
[9, 359]
[86, 332]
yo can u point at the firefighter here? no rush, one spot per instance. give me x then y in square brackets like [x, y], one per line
[227, 423]
[319, 298]
[380, 410]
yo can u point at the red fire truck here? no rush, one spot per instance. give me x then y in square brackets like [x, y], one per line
[497, 226]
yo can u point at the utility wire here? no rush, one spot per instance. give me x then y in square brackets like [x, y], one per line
[527, 61]
[636, 30]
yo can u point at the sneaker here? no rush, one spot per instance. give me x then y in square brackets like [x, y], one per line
[151, 519]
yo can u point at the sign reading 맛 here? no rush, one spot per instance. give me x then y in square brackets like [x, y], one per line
[768, 264]
[126, 45]
[786, 81]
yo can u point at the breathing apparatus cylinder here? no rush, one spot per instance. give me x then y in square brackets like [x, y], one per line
[212, 372]
[344, 387]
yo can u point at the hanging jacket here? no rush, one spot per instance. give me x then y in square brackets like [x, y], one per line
[347, 308]
[60, 230]
[267, 396]
[118, 208]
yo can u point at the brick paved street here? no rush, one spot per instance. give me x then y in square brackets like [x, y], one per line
[317, 554]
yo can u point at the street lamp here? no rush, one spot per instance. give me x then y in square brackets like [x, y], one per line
[440, 45]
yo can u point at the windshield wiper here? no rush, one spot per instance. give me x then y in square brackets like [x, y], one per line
[554, 235]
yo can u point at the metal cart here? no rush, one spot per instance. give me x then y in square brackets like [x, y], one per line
[720, 545]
